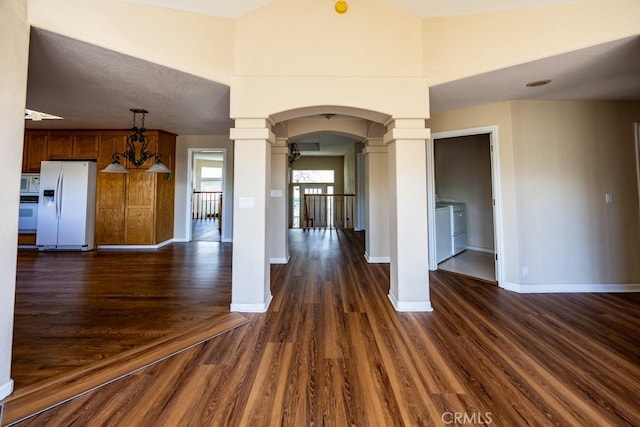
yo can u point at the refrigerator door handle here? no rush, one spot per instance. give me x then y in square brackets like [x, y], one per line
[61, 185]
[56, 197]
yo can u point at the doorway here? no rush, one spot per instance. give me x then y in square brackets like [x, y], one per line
[464, 231]
[207, 195]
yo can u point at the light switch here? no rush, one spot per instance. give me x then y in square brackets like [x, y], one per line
[608, 198]
[247, 202]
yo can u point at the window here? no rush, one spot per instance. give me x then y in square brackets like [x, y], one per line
[313, 176]
[210, 179]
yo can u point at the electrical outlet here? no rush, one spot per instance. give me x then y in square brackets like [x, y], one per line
[525, 271]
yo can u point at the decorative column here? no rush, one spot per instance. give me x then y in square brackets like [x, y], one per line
[250, 279]
[279, 222]
[376, 167]
[14, 49]
[409, 288]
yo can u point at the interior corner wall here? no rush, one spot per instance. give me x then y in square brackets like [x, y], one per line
[183, 144]
[14, 49]
[349, 172]
[567, 156]
[533, 33]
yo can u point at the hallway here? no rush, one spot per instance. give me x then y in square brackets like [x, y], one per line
[332, 351]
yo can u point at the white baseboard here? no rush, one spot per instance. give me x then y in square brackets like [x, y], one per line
[479, 249]
[280, 260]
[27, 247]
[570, 288]
[6, 389]
[377, 259]
[409, 305]
[227, 240]
[252, 308]
[158, 246]
[181, 240]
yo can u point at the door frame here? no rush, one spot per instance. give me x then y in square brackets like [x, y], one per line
[190, 153]
[637, 135]
[498, 236]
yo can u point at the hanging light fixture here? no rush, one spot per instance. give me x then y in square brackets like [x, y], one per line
[294, 153]
[136, 152]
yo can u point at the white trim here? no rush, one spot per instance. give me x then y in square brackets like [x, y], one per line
[571, 288]
[227, 240]
[252, 308]
[377, 259]
[479, 249]
[495, 187]
[637, 126]
[6, 389]
[280, 260]
[128, 247]
[27, 247]
[181, 240]
[189, 192]
[409, 305]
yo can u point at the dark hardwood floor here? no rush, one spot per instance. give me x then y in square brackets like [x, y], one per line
[76, 308]
[205, 230]
[332, 351]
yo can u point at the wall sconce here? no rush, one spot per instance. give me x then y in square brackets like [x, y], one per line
[137, 155]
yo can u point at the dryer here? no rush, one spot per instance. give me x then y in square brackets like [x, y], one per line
[455, 229]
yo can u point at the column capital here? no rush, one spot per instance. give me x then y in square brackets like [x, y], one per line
[406, 129]
[280, 142]
[252, 129]
[374, 145]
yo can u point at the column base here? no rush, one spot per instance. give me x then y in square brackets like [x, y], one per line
[252, 308]
[377, 259]
[409, 305]
[6, 389]
[284, 260]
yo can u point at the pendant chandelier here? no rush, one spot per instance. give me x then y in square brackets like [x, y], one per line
[136, 152]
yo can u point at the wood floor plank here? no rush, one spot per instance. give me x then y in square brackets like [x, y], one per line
[44, 395]
[332, 351]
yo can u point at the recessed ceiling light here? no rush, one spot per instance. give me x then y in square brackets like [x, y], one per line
[537, 83]
[36, 116]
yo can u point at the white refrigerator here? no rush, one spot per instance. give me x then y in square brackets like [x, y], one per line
[66, 206]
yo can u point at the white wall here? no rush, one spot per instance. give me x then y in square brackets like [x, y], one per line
[567, 156]
[183, 188]
[557, 161]
[308, 38]
[197, 44]
[463, 46]
[14, 49]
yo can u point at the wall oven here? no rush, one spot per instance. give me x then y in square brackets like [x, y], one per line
[28, 216]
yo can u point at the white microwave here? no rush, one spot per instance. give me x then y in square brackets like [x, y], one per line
[30, 183]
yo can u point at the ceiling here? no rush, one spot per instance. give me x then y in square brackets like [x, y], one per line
[421, 8]
[92, 87]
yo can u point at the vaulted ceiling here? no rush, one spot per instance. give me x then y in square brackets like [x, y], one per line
[94, 88]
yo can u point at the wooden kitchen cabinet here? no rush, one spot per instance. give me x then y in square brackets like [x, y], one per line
[60, 147]
[35, 150]
[85, 147]
[139, 209]
[131, 209]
